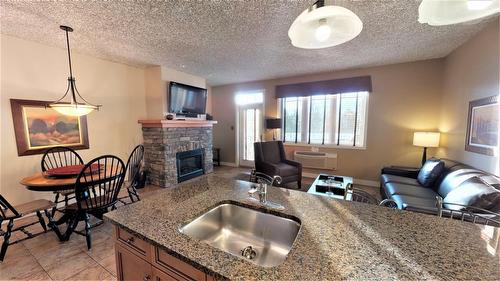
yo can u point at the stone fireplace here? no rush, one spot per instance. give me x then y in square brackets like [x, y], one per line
[176, 150]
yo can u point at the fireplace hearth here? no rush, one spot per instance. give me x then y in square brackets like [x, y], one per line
[189, 164]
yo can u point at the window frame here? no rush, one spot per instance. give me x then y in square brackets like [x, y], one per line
[282, 112]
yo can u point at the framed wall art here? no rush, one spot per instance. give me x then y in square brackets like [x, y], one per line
[38, 128]
[482, 126]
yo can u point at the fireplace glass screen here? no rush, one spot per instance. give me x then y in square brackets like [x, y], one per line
[189, 164]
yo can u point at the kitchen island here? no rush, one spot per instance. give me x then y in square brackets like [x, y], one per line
[337, 239]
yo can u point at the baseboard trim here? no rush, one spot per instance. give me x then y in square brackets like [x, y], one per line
[229, 164]
[309, 175]
[356, 181]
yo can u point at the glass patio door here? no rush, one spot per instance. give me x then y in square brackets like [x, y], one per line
[250, 131]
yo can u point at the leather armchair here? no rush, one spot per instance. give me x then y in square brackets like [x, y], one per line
[270, 159]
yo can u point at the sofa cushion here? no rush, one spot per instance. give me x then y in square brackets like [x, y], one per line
[392, 188]
[385, 178]
[473, 192]
[455, 178]
[429, 172]
[449, 167]
[285, 170]
[411, 202]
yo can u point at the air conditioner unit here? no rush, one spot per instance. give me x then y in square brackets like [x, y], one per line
[316, 160]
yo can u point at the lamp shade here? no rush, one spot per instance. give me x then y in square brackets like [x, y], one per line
[324, 27]
[426, 139]
[73, 109]
[273, 123]
[445, 12]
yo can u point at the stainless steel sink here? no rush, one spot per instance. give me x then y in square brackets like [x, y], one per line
[261, 238]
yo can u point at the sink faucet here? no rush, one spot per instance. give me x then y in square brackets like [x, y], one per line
[263, 181]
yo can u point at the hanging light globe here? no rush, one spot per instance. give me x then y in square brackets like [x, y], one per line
[323, 26]
[446, 12]
[73, 107]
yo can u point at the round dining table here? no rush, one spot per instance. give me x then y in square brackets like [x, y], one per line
[41, 182]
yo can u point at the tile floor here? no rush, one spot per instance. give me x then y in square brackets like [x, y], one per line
[45, 258]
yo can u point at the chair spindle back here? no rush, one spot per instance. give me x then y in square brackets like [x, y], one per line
[60, 156]
[133, 166]
[99, 183]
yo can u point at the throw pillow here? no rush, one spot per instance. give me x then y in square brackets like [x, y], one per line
[476, 193]
[430, 172]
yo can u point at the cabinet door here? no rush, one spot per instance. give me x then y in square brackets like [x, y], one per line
[130, 267]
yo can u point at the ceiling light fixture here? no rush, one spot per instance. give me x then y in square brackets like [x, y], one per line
[322, 26]
[445, 12]
[73, 108]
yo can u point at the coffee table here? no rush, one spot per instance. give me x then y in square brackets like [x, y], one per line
[331, 186]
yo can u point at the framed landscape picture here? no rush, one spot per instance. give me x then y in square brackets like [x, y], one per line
[38, 128]
[482, 126]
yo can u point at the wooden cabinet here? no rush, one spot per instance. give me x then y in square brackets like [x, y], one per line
[159, 275]
[138, 246]
[136, 259]
[131, 267]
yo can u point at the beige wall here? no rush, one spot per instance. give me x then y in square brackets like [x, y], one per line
[34, 71]
[471, 72]
[157, 79]
[155, 92]
[406, 97]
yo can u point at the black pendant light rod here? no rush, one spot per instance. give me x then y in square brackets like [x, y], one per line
[68, 29]
[71, 79]
[319, 3]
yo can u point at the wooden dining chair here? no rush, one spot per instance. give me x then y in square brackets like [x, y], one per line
[97, 187]
[57, 157]
[132, 169]
[13, 214]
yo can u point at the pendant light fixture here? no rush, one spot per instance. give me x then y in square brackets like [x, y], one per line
[322, 26]
[443, 12]
[73, 107]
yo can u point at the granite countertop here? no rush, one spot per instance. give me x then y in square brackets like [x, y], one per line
[337, 239]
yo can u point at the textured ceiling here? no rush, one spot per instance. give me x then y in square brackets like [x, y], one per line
[229, 41]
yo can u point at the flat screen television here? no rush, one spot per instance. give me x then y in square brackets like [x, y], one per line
[186, 99]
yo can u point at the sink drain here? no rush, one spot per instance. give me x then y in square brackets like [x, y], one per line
[248, 252]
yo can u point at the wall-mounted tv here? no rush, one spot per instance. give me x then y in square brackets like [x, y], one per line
[186, 99]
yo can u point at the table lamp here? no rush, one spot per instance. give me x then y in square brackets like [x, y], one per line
[425, 140]
[273, 124]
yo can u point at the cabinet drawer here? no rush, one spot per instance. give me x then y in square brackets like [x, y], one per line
[160, 275]
[131, 267]
[133, 243]
[166, 262]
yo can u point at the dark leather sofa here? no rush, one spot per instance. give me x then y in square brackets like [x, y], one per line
[456, 183]
[270, 159]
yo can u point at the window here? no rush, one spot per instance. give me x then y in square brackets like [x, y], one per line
[249, 98]
[327, 119]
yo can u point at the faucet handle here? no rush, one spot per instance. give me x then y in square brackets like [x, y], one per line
[276, 179]
[266, 179]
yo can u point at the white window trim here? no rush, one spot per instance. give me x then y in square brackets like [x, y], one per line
[365, 135]
[325, 146]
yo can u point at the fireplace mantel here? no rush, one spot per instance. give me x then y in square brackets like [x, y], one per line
[190, 123]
